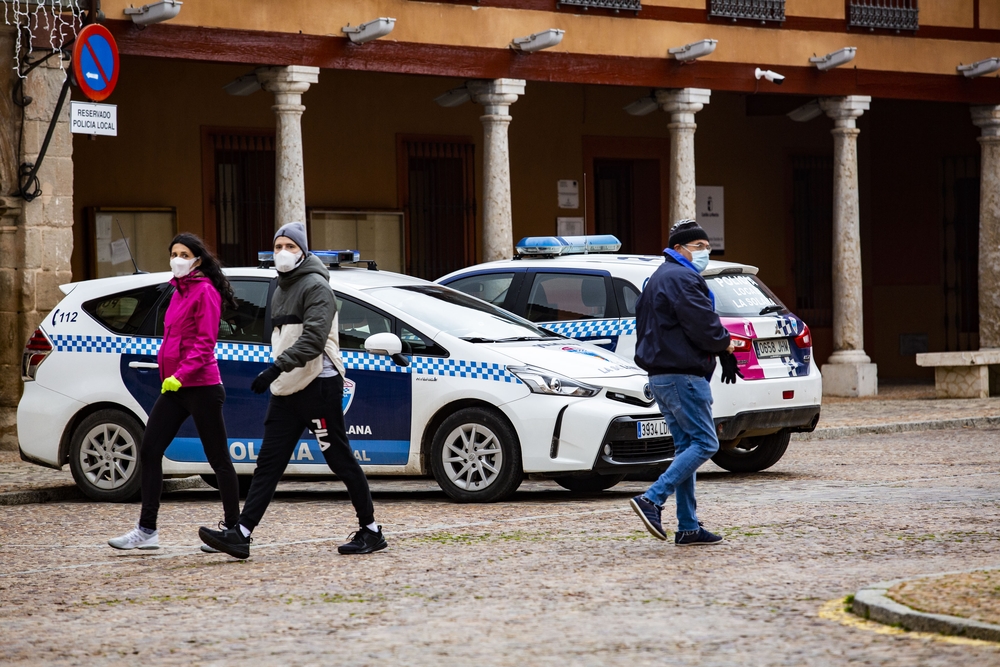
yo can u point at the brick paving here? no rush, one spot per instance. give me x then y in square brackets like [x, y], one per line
[549, 578]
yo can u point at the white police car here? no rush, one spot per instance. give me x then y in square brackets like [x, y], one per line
[580, 287]
[437, 382]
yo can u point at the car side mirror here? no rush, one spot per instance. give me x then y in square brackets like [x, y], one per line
[389, 345]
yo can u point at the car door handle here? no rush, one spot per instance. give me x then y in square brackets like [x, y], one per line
[142, 364]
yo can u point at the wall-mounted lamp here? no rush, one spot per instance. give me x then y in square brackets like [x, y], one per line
[155, 12]
[642, 106]
[773, 77]
[980, 68]
[454, 97]
[538, 41]
[806, 112]
[370, 30]
[244, 85]
[835, 59]
[694, 50]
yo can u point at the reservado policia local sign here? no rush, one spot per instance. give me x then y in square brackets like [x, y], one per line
[95, 64]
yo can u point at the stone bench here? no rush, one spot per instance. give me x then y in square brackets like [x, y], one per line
[974, 374]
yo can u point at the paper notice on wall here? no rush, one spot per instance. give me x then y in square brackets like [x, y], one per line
[119, 251]
[103, 227]
[104, 251]
[711, 214]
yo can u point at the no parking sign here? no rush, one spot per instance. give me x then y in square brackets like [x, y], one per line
[95, 62]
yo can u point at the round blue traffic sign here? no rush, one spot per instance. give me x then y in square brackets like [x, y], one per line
[95, 62]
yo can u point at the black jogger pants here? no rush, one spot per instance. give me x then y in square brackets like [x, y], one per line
[204, 404]
[318, 407]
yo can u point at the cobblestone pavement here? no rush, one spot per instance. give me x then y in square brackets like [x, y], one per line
[550, 578]
[973, 595]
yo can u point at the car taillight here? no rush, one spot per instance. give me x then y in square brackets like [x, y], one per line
[35, 350]
[740, 344]
[804, 339]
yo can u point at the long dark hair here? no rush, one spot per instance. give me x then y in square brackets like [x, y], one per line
[209, 266]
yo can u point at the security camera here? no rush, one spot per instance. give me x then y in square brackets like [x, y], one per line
[773, 77]
[980, 68]
[693, 50]
[454, 97]
[835, 59]
[370, 30]
[642, 106]
[155, 12]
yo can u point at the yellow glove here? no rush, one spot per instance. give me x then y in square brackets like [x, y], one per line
[170, 384]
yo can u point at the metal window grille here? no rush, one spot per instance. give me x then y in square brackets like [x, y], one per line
[758, 10]
[812, 217]
[244, 196]
[440, 207]
[888, 14]
[960, 252]
[615, 5]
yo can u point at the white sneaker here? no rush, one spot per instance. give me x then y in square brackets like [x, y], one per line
[136, 539]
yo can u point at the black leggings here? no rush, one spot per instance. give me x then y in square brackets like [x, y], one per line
[318, 407]
[204, 404]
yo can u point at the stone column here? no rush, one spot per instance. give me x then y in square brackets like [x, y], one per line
[849, 371]
[682, 104]
[288, 84]
[987, 118]
[496, 97]
[36, 237]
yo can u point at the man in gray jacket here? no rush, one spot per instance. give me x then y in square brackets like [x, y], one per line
[307, 388]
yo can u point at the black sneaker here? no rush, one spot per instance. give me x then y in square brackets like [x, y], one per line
[209, 550]
[696, 538]
[229, 540]
[650, 515]
[364, 541]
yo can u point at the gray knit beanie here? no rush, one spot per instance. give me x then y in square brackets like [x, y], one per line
[295, 231]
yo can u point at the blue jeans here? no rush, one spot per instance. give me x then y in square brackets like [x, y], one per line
[686, 404]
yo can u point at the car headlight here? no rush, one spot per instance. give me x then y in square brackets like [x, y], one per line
[541, 381]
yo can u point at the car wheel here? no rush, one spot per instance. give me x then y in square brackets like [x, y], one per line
[475, 457]
[589, 482]
[754, 454]
[104, 456]
[244, 480]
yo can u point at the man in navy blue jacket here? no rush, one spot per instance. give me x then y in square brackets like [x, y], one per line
[678, 337]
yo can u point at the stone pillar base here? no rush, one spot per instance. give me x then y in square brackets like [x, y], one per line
[858, 379]
[965, 381]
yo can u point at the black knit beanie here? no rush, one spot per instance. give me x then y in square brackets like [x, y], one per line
[684, 232]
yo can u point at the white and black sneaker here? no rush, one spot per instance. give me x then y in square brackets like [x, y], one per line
[137, 538]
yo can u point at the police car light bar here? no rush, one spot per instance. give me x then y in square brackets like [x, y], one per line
[567, 245]
[330, 258]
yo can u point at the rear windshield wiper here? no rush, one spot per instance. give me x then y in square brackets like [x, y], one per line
[770, 309]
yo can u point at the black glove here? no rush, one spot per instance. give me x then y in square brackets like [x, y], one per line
[729, 369]
[264, 380]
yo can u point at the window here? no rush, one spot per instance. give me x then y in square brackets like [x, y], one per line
[491, 288]
[245, 323]
[616, 5]
[627, 295]
[812, 220]
[567, 296]
[888, 14]
[124, 312]
[357, 322]
[758, 10]
[416, 343]
[123, 235]
[742, 295]
[376, 235]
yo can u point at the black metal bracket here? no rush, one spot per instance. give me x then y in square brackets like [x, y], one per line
[28, 172]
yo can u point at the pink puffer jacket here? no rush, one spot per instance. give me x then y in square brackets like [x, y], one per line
[190, 332]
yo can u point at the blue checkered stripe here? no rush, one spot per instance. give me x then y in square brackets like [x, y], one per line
[592, 328]
[365, 361]
[786, 326]
[474, 370]
[150, 346]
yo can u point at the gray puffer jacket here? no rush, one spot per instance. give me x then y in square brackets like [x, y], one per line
[304, 317]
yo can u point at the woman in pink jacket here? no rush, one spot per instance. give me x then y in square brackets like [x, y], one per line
[191, 387]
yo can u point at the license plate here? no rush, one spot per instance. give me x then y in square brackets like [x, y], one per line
[775, 347]
[653, 428]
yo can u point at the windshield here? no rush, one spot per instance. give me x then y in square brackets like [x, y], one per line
[742, 295]
[458, 314]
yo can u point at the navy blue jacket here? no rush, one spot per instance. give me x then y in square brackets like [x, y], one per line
[676, 327]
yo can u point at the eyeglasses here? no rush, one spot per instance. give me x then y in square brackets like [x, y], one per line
[699, 246]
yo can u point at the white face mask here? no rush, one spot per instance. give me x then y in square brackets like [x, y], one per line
[700, 259]
[181, 267]
[285, 260]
